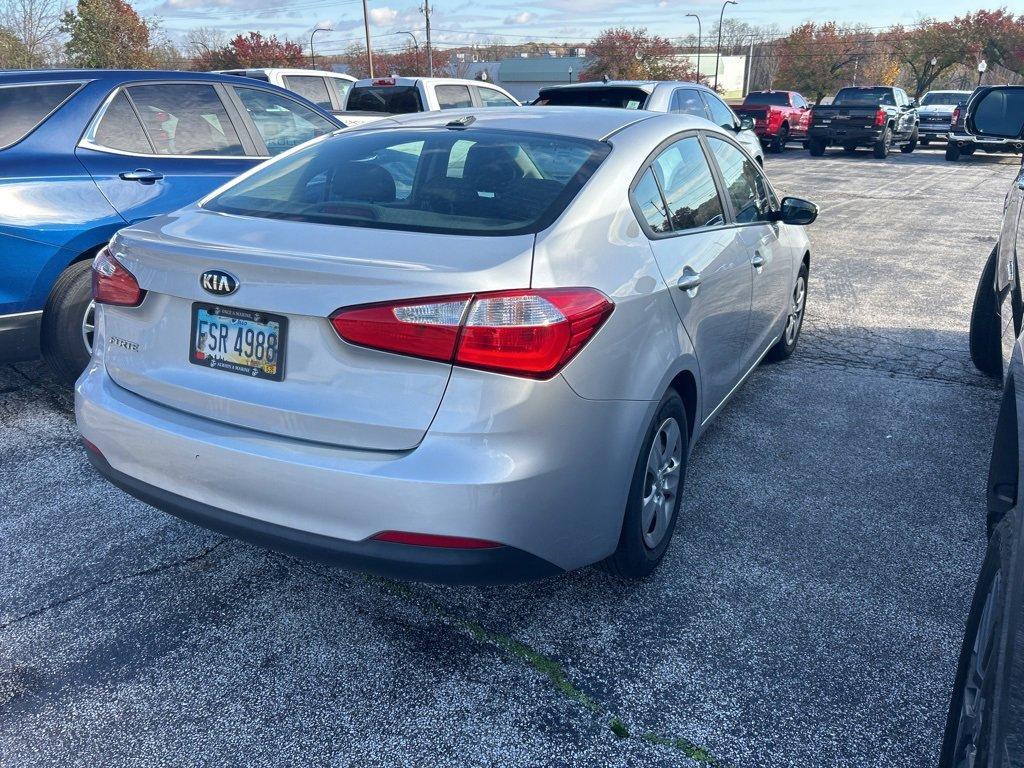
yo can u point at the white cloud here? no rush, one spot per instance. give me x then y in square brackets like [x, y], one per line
[383, 16]
[520, 18]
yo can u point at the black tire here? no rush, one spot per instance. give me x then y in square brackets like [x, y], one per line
[925, 141]
[784, 347]
[61, 339]
[632, 558]
[985, 335]
[817, 147]
[952, 151]
[881, 148]
[778, 143]
[969, 150]
[849, 148]
[911, 145]
[980, 684]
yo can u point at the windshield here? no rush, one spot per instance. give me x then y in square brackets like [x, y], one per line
[466, 181]
[867, 97]
[770, 98]
[616, 96]
[949, 98]
[394, 99]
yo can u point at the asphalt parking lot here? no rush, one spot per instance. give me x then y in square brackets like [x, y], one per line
[809, 611]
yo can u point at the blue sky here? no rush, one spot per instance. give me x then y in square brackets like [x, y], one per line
[464, 21]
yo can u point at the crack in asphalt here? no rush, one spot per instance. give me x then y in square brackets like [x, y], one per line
[159, 568]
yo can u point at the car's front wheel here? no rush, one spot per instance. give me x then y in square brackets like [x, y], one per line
[925, 141]
[985, 335]
[911, 144]
[66, 337]
[654, 493]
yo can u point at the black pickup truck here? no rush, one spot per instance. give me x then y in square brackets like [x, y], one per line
[879, 117]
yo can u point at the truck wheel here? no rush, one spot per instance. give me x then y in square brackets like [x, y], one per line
[985, 335]
[968, 150]
[883, 145]
[64, 332]
[911, 145]
[925, 141]
[817, 147]
[952, 151]
[779, 140]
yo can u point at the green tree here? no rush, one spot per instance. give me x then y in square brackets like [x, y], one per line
[106, 34]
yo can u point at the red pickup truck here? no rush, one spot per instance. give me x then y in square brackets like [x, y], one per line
[778, 116]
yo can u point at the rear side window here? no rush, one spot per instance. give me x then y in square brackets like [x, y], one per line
[341, 87]
[282, 122]
[690, 192]
[312, 88]
[720, 113]
[185, 119]
[24, 107]
[492, 98]
[453, 96]
[686, 101]
[618, 97]
[652, 205]
[121, 129]
[865, 97]
[393, 99]
[471, 181]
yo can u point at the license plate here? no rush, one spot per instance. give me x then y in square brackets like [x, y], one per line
[239, 341]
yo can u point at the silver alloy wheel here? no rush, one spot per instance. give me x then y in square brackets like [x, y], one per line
[89, 325]
[664, 467]
[796, 311]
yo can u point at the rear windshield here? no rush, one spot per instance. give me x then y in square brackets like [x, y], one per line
[395, 99]
[949, 98]
[619, 97]
[867, 97]
[466, 181]
[23, 107]
[774, 99]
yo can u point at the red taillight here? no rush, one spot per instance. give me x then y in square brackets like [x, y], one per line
[433, 540]
[956, 116]
[881, 117]
[530, 333]
[112, 283]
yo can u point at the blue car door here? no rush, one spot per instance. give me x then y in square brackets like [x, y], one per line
[156, 147]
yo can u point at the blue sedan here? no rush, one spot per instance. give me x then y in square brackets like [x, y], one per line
[86, 152]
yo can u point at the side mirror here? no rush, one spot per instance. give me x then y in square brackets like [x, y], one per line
[746, 123]
[796, 211]
[997, 111]
[912, 104]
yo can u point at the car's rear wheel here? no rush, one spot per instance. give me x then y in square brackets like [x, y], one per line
[654, 493]
[925, 141]
[817, 147]
[911, 145]
[67, 323]
[952, 151]
[786, 345]
[968, 150]
[883, 145]
[985, 335]
[778, 143]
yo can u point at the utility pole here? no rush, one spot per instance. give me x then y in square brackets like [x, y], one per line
[369, 50]
[750, 67]
[698, 43]
[430, 50]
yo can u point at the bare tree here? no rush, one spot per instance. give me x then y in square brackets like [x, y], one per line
[200, 42]
[36, 23]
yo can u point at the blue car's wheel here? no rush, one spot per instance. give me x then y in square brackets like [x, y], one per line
[64, 334]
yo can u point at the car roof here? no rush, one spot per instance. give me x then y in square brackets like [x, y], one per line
[243, 71]
[112, 75]
[646, 85]
[369, 81]
[596, 123]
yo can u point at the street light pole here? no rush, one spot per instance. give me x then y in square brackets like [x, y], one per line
[570, 75]
[312, 54]
[698, 43]
[718, 53]
[415, 42]
[369, 50]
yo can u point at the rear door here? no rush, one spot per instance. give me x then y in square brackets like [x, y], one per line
[492, 97]
[156, 147]
[453, 96]
[702, 258]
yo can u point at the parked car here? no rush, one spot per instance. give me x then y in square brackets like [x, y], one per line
[985, 723]
[879, 117]
[83, 153]
[677, 97]
[936, 114]
[493, 374]
[963, 143]
[382, 96]
[328, 90]
[779, 116]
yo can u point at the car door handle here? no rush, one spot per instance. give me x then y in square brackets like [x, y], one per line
[758, 261]
[690, 280]
[142, 175]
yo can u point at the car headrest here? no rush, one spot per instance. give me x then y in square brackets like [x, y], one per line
[489, 167]
[363, 182]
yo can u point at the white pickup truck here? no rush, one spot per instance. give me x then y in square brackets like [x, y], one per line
[379, 97]
[325, 89]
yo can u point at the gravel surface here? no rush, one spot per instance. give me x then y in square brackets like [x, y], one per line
[809, 611]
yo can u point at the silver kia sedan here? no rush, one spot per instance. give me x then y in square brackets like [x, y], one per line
[469, 346]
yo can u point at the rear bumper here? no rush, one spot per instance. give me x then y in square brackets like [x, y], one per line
[543, 472]
[846, 135]
[1005, 145]
[937, 130]
[19, 336]
[496, 565]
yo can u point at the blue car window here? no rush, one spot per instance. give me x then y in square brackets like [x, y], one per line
[24, 107]
[120, 128]
[185, 119]
[282, 122]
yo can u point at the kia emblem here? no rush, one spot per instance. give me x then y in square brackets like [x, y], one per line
[218, 282]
